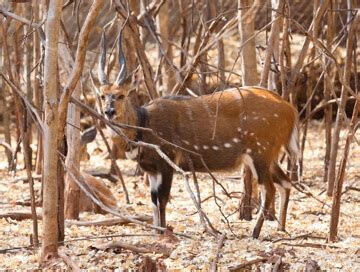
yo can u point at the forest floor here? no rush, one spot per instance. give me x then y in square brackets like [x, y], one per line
[303, 245]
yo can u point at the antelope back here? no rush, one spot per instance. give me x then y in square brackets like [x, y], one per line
[226, 126]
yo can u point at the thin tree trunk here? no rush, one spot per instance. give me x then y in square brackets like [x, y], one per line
[335, 209]
[69, 88]
[50, 186]
[248, 53]
[272, 51]
[4, 110]
[28, 56]
[328, 79]
[284, 59]
[249, 77]
[168, 73]
[341, 110]
[37, 92]
[72, 191]
[309, 87]
[296, 70]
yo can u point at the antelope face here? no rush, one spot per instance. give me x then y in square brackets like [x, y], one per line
[113, 100]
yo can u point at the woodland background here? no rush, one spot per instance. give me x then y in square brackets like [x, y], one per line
[307, 51]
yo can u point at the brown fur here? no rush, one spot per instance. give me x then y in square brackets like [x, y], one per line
[226, 128]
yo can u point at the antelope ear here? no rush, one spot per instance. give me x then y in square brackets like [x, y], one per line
[133, 96]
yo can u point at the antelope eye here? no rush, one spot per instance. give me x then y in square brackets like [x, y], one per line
[102, 97]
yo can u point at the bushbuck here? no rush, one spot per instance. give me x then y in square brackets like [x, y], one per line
[239, 126]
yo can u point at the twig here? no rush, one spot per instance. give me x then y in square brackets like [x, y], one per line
[68, 262]
[348, 188]
[136, 249]
[314, 245]
[241, 266]
[217, 256]
[19, 215]
[108, 222]
[302, 236]
[15, 180]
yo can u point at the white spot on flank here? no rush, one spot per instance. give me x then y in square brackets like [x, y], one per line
[196, 147]
[264, 148]
[248, 150]
[185, 142]
[258, 143]
[227, 145]
[236, 140]
[252, 134]
[245, 132]
[239, 129]
[276, 115]
[256, 117]
[215, 147]
[205, 147]
[264, 119]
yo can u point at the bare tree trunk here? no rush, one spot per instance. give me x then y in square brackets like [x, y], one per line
[50, 194]
[4, 110]
[341, 110]
[310, 83]
[72, 190]
[328, 80]
[285, 54]
[272, 51]
[248, 53]
[296, 70]
[28, 56]
[249, 77]
[335, 209]
[168, 73]
[216, 7]
[67, 92]
[37, 92]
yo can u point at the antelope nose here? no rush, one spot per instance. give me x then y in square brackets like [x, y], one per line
[110, 112]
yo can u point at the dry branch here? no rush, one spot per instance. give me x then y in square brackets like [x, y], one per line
[19, 215]
[110, 221]
[217, 256]
[74, 267]
[135, 248]
[245, 264]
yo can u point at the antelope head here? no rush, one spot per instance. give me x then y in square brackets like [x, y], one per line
[116, 98]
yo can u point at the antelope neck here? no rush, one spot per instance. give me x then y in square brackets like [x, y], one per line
[141, 122]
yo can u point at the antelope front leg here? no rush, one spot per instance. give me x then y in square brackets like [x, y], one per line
[155, 180]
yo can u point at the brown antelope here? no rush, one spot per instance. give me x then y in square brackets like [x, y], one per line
[247, 125]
